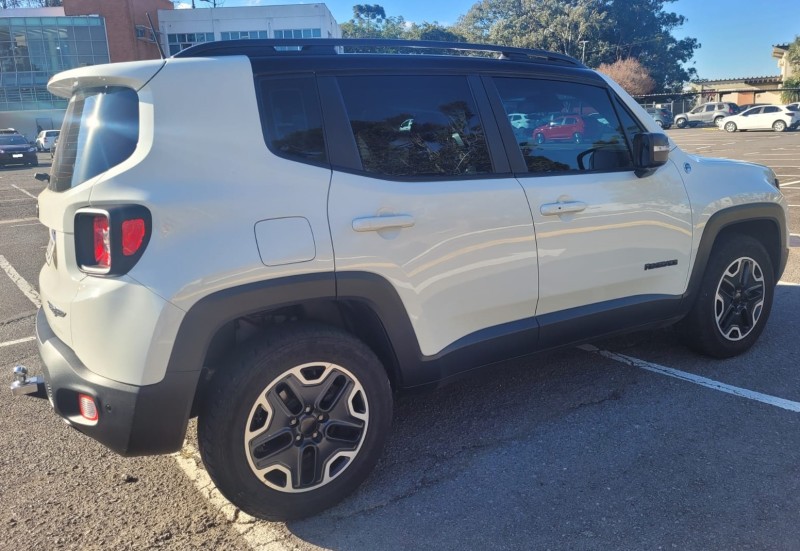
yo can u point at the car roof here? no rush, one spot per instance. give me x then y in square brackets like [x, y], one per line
[324, 54]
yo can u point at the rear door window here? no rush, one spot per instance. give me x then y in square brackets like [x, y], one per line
[416, 126]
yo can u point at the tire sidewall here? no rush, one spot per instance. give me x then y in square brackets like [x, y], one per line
[706, 335]
[256, 368]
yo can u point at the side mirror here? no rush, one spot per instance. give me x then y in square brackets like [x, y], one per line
[42, 176]
[650, 151]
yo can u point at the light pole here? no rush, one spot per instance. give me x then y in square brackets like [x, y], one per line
[583, 50]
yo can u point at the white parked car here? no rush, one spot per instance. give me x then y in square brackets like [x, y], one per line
[794, 106]
[284, 289]
[519, 120]
[46, 138]
[768, 117]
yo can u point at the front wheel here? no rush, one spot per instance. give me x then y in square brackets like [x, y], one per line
[730, 127]
[779, 126]
[681, 123]
[295, 421]
[718, 121]
[734, 300]
[577, 137]
[539, 138]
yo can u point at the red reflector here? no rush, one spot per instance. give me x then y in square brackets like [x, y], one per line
[102, 244]
[87, 407]
[132, 236]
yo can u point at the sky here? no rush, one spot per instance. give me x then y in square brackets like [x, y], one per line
[736, 35]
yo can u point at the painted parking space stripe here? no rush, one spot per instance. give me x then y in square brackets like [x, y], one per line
[24, 191]
[18, 220]
[20, 282]
[696, 379]
[18, 341]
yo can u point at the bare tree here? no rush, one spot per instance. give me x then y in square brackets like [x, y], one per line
[630, 74]
[7, 4]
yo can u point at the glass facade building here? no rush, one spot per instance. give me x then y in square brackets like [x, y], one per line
[32, 49]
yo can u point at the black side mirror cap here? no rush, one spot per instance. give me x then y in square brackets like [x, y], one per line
[650, 151]
[42, 176]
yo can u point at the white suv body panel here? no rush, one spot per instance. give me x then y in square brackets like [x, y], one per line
[467, 263]
[193, 211]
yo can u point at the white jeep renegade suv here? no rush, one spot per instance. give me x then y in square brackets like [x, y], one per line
[282, 288]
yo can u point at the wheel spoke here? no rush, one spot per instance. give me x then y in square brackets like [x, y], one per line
[333, 388]
[270, 449]
[349, 432]
[725, 320]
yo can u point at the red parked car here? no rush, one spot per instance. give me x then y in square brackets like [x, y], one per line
[563, 127]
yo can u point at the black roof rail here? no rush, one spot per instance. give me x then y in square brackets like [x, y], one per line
[333, 46]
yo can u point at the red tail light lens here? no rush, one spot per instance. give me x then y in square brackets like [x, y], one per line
[110, 241]
[102, 242]
[133, 232]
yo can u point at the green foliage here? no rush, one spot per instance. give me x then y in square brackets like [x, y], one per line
[793, 57]
[790, 96]
[610, 29]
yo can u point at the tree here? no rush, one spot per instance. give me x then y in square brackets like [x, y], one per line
[793, 55]
[609, 29]
[7, 4]
[630, 74]
[791, 93]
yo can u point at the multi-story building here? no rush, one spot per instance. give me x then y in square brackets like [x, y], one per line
[180, 29]
[36, 43]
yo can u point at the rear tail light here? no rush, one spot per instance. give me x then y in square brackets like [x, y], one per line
[111, 241]
[87, 407]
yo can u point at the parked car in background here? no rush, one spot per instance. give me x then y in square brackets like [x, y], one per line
[15, 150]
[706, 113]
[46, 138]
[663, 117]
[9, 131]
[794, 106]
[769, 117]
[747, 106]
[566, 127]
[519, 120]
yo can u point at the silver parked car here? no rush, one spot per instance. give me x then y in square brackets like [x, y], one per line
[707, 113]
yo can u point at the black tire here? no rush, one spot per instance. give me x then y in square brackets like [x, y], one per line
[730, 126]
[734, 300]
[718, 121]
[779, 126]
[577, 137]
[332, 397]
[539, 138]
[34, 163]
[659, 123]
[681, 123]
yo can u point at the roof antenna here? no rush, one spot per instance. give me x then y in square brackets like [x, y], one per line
[155, 36]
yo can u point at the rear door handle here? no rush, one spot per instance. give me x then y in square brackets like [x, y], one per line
[378, 223]
[550, 209]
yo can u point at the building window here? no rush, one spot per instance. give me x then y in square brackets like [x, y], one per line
[298, 33]
[32, 49]
[181, 41]
[144, 32]
[243, 35]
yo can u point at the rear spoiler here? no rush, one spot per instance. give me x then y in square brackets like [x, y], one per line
[133, 74]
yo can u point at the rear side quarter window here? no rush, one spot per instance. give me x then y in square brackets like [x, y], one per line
[292, 120]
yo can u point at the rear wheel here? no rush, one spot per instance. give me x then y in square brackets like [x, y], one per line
[718, 121]
[296, 421]
[779, 126]
[659, 123]
[730, 127]
[734, 300]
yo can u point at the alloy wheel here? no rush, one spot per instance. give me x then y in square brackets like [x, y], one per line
[739, 299]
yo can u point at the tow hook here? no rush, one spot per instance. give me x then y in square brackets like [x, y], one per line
[27, 386]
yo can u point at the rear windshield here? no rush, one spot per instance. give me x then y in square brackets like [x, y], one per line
[100, 130]
[13, 140]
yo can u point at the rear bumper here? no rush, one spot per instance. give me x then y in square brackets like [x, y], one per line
[133, 420]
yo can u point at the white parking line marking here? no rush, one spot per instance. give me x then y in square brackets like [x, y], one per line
[18, 341]
[23, 191]
[20, 282]
[793, 182]
[17, 220]
[696, 379]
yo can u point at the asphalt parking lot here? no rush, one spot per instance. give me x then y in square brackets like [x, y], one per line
[634, 443]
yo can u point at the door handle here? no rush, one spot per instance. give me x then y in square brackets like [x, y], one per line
[378, 223]
[551, 209]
